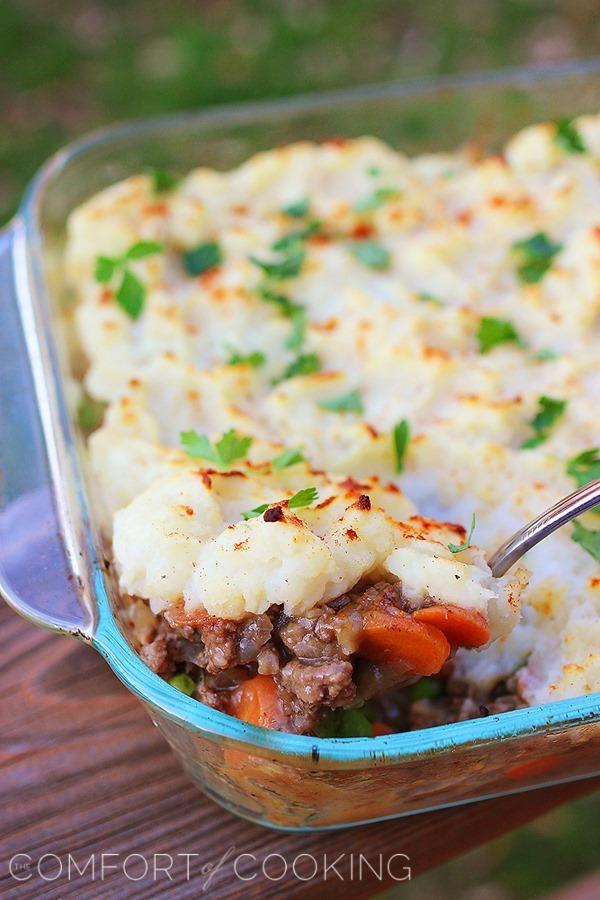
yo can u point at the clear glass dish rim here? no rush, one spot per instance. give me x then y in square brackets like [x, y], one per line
[108, 639]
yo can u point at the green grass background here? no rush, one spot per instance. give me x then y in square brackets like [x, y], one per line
[71, 65]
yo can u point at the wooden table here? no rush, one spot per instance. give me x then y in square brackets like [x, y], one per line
[86, 774]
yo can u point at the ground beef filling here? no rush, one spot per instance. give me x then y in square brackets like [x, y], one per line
[312, 660]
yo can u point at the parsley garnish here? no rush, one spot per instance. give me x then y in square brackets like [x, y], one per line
[298, 209]
[549, 411]
[350, 402]
[371, 254]
[131, 293]
[492, 332]
[424, 297]
[253, 513]
[376, 199]
[203, 257]
[373, 171]
[458, 548]
[304, 497]
[345, 723]
[141, 249]
[288, 458]
[589, 540]
[286, 306]
[292, 311]
[287, 267]
[293, 238]
[106, 268]
[535, 256]
[90, 413]
[254, 359]
[568, 138]
[584, 467]
[296, 336]
[230, 447]
[401, 437]
[305, 364]
[162, 180]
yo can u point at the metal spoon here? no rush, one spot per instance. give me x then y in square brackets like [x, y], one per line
[531, 534]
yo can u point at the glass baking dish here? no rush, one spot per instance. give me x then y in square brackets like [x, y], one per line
[51, 565]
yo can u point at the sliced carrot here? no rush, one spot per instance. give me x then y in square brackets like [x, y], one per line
[390, 636]
[257, 702]
[462, 627]
[380, 728]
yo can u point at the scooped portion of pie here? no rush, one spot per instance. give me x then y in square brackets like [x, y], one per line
[318, 598]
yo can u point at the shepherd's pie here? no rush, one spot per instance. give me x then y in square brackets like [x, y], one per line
[332, 380]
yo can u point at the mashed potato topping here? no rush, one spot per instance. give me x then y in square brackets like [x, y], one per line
[316, 298]
[185, 536]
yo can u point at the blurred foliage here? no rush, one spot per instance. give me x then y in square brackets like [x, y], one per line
[70, 65]
[559, 847]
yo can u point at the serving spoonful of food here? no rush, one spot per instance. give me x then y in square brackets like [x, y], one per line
[546, 523]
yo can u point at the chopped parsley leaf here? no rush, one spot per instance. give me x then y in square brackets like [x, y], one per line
[293, 311]
[584, 467]
[142, 249]
[373, 171]
[458, 548]
[304, 497]
[288, 458]
[401, 437]
[589, 540]
[162, 180]
[376, 199]
[105, 269]
[254, 359]
[130, 294]
[90, 413]
[305, 364]
[230, 447]
[183, 683]
[296, 337]
[535, 256]
[568, 137]
[203, 257]
[292, 239]
[287, 267]
[350, 402]
[298, 209]
[549, 411]
[286, 306]
[371, 254]
[253, 513]
[492, 331]
[107, 266]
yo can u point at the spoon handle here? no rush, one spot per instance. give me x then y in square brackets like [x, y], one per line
[535, 531]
